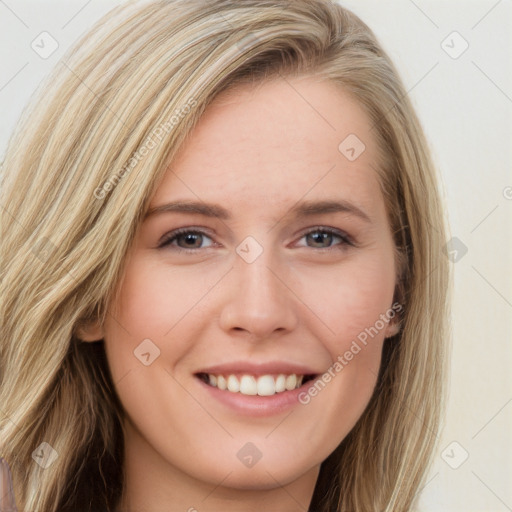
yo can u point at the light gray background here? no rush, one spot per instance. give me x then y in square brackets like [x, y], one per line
[465, 104]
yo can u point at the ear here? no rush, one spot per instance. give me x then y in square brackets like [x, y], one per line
[393, 328]
[92, 331]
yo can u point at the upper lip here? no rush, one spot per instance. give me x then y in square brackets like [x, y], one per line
[250, 368]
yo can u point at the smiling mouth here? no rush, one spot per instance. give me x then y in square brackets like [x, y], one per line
[263, 385]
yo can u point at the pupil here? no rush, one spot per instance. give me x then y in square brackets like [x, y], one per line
[190, 238]
[319, 236]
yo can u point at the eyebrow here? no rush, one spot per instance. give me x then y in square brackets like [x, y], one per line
[300, 210]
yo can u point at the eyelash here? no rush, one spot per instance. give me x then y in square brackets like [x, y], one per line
[171, 237]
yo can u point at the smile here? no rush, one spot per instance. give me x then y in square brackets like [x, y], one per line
[263, 385]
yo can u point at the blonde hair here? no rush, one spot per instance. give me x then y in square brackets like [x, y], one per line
[77, 181]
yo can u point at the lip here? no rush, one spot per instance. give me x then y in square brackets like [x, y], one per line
[255, 405]
[257, 369]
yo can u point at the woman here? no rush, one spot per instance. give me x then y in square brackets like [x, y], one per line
[222, 278]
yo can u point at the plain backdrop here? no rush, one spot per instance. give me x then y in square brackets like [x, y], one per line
[455, 58]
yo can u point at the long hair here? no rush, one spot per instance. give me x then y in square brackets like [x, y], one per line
[78, 174]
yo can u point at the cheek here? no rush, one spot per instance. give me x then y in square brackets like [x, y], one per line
[355, 304]
[149, 299]
[365, 298]
[137, 323]
[155, 300]
[351, 297]
[156, 303]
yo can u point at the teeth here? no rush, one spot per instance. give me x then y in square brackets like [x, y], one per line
[221, 382]
[248, 385]
[291, 382]
[233, 384]
[281, 383]
[265, 385]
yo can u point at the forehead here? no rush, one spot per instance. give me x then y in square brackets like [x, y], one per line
[273, 143]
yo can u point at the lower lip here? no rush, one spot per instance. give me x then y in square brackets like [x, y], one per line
[255, 405]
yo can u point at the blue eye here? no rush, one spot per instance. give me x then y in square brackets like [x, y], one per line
[190, 240]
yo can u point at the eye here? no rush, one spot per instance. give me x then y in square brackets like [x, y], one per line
[186, 239]
[321, 236]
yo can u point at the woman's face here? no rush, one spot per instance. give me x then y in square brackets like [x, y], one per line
[283, 270]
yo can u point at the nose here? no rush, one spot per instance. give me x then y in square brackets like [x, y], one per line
[259, 300]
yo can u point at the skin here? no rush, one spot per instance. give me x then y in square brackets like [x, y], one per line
[256, 151]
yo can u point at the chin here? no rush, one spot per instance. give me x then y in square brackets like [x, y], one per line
[273, 472]
[263, 478]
